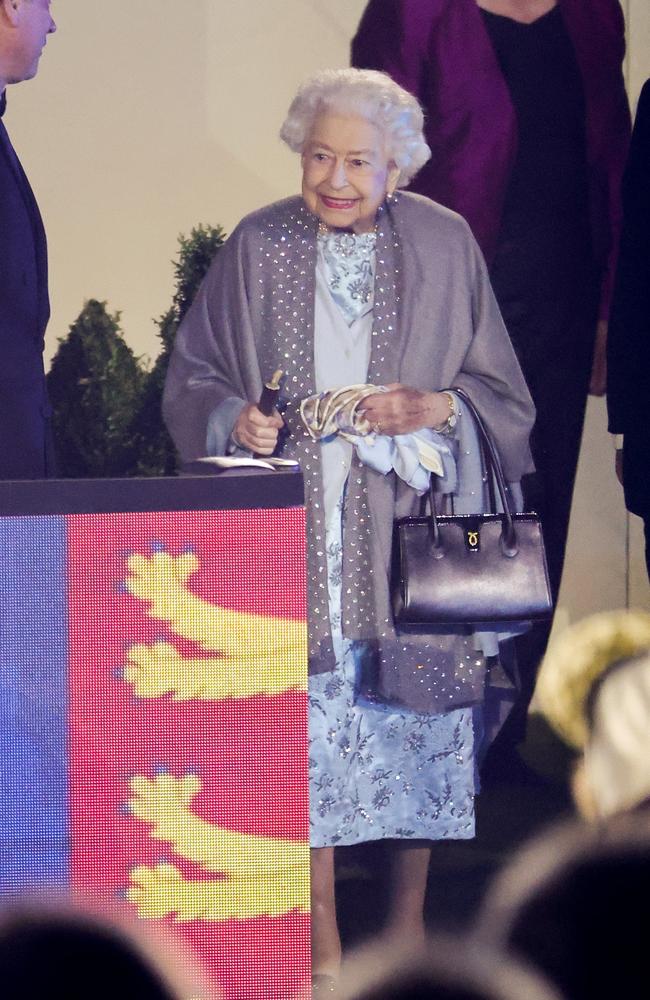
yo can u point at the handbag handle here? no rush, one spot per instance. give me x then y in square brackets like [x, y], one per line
[494, 469]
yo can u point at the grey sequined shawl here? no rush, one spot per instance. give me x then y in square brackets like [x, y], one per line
[435, 325]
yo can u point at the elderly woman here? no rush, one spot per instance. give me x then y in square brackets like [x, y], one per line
[356, 284]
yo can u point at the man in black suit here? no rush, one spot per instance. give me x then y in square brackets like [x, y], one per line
[25, 437]
[628, 354]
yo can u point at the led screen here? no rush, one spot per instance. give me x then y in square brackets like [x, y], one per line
[153, 738]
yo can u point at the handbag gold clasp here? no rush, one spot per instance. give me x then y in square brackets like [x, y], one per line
[473, 539]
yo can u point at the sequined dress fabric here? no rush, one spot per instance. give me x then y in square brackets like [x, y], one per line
[375, 772]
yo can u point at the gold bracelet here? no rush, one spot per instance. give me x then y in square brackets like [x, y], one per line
[451, 421]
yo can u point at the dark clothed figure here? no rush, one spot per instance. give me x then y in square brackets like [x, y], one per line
[545, 244]
[628, 357]
[25, 440]
[528, 125]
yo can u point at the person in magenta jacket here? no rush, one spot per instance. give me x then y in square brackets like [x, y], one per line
[528, 122]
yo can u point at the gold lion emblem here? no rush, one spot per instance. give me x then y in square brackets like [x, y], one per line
[246, 655]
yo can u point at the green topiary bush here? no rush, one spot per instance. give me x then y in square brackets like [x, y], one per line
[107, 403]
[95, 385]
[153, 447]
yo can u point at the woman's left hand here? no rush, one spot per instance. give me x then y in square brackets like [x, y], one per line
[402, 410]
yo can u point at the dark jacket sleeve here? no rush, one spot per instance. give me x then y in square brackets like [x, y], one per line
[628, 352]
[25, 432]
[393, 36]
[608, 138]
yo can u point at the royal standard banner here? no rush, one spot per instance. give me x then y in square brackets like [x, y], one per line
[153, 738]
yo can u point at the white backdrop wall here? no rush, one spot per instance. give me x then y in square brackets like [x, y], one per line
[148, 117]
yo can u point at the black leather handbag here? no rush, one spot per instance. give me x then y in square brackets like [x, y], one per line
[465, 569]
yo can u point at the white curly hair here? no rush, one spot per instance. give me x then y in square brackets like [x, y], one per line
[371, 95]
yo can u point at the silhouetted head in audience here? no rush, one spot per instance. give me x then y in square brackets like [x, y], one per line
[594, 689]
[444, 969]
[575, 904]
[60, 951]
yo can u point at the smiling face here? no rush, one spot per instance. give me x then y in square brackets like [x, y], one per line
[346, 172]
[26, 27]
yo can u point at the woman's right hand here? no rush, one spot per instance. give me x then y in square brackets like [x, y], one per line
[255, 432]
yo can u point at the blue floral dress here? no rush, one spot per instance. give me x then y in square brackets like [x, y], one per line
[376, 771]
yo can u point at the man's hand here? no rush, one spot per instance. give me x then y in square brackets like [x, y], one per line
[402, 410]
[598, 383]
[255, 432]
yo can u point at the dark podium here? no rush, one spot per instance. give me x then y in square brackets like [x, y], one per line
[153, 726]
